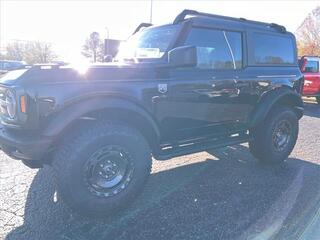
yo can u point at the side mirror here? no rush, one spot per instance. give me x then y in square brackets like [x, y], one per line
[185, 56]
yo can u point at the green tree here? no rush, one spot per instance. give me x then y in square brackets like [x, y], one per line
[94, 48]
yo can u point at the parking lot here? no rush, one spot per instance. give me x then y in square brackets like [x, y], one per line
[222, 194]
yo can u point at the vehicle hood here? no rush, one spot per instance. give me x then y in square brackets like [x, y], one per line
[45, 74]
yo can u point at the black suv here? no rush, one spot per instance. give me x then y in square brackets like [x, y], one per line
[203, 82]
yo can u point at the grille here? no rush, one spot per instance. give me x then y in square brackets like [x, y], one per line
[3, 103]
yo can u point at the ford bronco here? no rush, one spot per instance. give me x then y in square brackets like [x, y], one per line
[205, 81]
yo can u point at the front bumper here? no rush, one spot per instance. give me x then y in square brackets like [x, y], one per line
[23, 146]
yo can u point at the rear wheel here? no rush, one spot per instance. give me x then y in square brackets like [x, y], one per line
[274, 139]
[102, 169]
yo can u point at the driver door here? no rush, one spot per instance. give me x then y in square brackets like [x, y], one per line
[205, 99]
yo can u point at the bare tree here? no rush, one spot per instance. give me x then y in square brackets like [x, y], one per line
[39, 52]
[93, 47]
[308, 34]
[15, 51]
[30, 51]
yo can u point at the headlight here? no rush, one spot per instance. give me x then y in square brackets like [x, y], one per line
[11, 104]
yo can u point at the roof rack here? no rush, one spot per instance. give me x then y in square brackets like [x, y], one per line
[310, 56]
[187, 12]
[142, 25]
[279, 27]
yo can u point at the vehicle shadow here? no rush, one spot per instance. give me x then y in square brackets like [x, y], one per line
[228, 195]
[312, 109]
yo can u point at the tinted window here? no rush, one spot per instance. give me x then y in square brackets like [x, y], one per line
[312, 67]
[213, 49]
[269, 49]
[235, 41]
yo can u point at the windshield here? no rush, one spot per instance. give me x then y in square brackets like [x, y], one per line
[147, 43]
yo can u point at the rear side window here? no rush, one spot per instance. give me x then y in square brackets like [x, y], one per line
[271, 49]
[312, 67]
[216, 49]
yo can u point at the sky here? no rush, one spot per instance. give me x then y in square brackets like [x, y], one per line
[66, 24]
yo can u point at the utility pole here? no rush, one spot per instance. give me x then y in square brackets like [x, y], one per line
[107, 40]
[151, 3]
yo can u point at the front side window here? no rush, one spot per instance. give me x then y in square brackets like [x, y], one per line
[216, 49]
[271, 49]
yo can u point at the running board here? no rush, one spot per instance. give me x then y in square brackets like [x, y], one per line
[189, 148]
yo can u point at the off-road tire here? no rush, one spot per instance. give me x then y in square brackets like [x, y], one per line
[262, 146]
[70, 159]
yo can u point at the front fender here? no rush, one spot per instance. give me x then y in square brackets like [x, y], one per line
[70, 113]
[268, 100]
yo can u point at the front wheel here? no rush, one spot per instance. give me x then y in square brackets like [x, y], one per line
[275, 138]
[102, 168]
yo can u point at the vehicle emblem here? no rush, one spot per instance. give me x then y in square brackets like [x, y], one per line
[162, 88]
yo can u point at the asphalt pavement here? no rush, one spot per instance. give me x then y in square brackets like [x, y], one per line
[221, 194]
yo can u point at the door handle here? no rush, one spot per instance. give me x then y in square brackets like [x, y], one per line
[213, 84]
[158, 98]
[241, 84]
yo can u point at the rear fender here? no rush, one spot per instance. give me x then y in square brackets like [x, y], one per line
[284, 96]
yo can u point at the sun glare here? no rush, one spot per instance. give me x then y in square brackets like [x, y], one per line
[81, 66]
